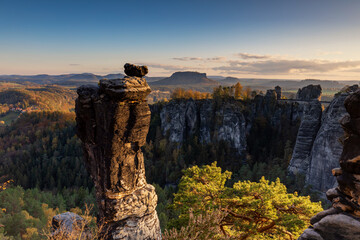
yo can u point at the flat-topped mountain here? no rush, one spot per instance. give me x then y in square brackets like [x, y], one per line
[186, 78]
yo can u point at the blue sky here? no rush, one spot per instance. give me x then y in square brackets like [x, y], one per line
[258, 38]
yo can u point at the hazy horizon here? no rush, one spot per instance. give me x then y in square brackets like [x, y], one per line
[214, 77]
[259, 39]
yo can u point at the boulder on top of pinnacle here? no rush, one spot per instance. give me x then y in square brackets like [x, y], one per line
[135, 71]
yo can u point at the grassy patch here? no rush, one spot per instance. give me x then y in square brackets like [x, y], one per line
[8, 118]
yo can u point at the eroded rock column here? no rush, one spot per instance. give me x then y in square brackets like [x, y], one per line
[112, 123]
[342, 220]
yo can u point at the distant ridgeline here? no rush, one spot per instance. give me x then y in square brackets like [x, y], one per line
[34, 96]
[162, 86]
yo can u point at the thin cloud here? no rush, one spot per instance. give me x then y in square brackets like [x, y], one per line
[74, 64]
[354, 70]
[166, 67]
[188, 58]
[210, 59]
[252, 56]
[286, 66]
[217, 59]
[326, 53]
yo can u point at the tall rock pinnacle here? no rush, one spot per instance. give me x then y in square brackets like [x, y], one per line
[112, 123]
[342, 220]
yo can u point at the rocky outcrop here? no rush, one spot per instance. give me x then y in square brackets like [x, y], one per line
[178, 119]
[231, 127]
[112, 123]
[181, 119]
[342, 220]
[230, 121]
[310, 124]
[268, 106]
[327, 148]
[278, 92]
[317, 147]
[271, 94]
[69, 225]
[310, 92]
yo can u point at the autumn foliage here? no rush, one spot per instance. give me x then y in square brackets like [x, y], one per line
[180, 93]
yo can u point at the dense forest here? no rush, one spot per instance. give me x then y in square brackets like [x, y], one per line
[41, 150]
[42, 156]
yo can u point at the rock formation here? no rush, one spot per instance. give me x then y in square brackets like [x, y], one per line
[69, 226]
[135, 71]
[342, 220]
[317, 147]
[230, 121]
[278, 92]
[327, 148]
[310, 92]
[112, 123]
[271, 95]
[181, 120]
[310, 124]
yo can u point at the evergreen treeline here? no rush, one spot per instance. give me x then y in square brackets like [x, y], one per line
[41, 150]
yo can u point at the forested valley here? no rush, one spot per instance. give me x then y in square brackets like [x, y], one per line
[42, 157]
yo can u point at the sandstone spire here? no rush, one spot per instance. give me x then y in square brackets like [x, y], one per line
[112, 123]
[342, 220]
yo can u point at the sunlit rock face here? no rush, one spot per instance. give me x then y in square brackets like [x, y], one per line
[112, 123]
[342, 220]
